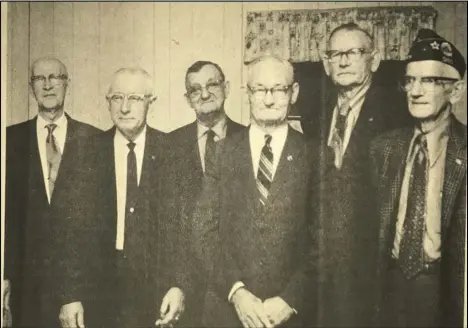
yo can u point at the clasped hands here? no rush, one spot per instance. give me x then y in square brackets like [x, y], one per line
[254, 313]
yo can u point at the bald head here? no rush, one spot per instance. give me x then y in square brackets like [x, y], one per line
[48, 61]
[271, 65]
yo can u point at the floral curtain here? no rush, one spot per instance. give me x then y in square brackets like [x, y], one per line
[300, 35]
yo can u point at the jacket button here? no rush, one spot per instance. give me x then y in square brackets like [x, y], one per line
[132, 210]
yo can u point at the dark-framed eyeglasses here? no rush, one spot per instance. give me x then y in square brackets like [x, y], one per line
[118, 98]
[54, 79]
[352, 55]
[212, 87]
[276, 92]
[427, 83]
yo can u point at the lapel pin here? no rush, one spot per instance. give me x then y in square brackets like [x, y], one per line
[289, 158]
[371, 119]
[153, 157]
[458, 161]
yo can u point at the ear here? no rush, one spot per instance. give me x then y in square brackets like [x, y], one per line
[458, 90]
[375, 60]
[326, 66]
[187, 99]
[295, 92]
[227, 88]
[152, 99]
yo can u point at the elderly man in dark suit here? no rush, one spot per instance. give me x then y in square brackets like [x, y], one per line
[114, 227]
[420, 175]
[34, 150]
[207, 90]
[253, 222]
[356, 110]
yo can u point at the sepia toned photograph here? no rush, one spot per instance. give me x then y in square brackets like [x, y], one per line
[234, 164]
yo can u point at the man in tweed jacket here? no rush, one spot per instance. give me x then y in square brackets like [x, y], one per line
[420, 175]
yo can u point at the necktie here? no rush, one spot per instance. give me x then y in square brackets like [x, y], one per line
[209, 147]
[265, 170]
[411, 255]
[339, 132]
[53, 157]
[131, 195]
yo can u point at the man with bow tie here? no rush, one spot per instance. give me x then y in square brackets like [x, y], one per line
[34, 151]
[420, 176]
[253, 219]
[116, 235]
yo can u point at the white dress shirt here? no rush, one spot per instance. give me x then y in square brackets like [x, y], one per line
[437, 140]
[121, 151]
[220, 133]
[356, 104]
[60, 134]
[257, 141]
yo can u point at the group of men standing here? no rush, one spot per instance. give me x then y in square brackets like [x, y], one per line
[220, 225]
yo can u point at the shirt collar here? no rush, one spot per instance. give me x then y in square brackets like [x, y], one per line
[280, 133]
[219, 128]
[61, 122]
[436, 138]
[357, 98]
[121, 140]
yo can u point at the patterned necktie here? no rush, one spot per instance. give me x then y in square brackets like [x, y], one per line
[209, 147]
[54, 157]
[411, 255]
[339, 132]
[265, 170]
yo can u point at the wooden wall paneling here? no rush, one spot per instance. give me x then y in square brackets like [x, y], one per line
[181, 52]
[41, 37]
[18, 63]
[64, 43]
[232, 59]
[87, 99]
[159, 115]
[460, 39]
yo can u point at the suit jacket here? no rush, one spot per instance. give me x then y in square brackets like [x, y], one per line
[186, 156]
[86, 211]
[267, 248]
[346, 207]
[388, 153]
[27, 221]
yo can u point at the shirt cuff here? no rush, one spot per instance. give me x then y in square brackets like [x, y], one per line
[234, 288]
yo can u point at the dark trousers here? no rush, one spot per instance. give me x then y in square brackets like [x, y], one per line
[410, 303]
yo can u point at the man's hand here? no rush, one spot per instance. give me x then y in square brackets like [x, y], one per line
[6, 312]
[277, 310]
[173, 305]
[72, 315]
[249, 309]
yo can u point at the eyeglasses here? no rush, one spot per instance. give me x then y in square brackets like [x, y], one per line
[54, 79]
[119, 98]
[211, 87]
[427, 83]
[276, 92]
[352, 55]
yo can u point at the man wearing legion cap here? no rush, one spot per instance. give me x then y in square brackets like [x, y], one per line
[420, 174]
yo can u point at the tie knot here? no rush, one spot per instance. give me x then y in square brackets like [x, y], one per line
[267, 139]
[345, 109]
[51, 128]
[210, 134]
[131, 146]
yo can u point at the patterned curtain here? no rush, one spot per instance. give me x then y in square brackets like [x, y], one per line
[301, 35]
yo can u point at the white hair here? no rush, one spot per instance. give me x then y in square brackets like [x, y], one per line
[136, 71]
[271, 58]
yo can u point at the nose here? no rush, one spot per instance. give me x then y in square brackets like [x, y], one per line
[268, 100]
[125, 107]
[47, 85]
[205, 94]
[344, 60]
[417, 89]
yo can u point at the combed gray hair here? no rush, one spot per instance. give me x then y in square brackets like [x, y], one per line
[136, 71]
[287, 65]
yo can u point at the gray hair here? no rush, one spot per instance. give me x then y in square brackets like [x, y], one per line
[285, 63]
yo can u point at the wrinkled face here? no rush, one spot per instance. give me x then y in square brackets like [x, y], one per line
[351, 70]
[432, 88]
[206, 91]
[271, 93]
[49, 84]
[129, 103]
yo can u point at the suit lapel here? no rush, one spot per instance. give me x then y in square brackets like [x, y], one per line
[286, 167]
[36, 174]
[455, 168]
[243, 158]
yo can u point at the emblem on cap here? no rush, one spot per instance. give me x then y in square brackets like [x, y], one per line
[435, 45]
[446, 49]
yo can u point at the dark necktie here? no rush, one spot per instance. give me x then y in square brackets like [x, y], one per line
[53, 157]
[131, 196]
[411, 256]
[209, 147]
[265, 170]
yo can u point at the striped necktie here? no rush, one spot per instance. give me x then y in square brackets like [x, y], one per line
[339, 133]
[411, 256]
[265, 170]
[54, 157]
